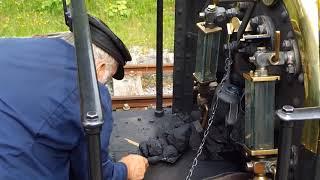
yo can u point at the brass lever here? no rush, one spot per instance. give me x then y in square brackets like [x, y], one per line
[276, 57]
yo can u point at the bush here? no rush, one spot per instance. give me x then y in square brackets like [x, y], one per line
[119, 8]
[50, 5]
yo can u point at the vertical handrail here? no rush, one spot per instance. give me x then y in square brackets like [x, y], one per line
[91, 112]
[159, 72]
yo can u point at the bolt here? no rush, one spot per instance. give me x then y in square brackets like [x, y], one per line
[288, 109]
[92, 115]
[211, 7]
[252, 59]
[287, 44]
[202, 15]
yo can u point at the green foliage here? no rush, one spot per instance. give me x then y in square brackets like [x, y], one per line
[119, 8]
[51, 5]
[134, 21]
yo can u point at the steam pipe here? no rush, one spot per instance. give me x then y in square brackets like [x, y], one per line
[159, 72]
[90, 105]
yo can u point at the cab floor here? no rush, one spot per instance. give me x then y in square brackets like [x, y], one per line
[137, 126]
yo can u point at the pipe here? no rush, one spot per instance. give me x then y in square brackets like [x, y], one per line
[159, 72]
[205, 117]
[283, 163]
[90, 105]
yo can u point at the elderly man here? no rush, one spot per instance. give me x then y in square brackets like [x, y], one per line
[41, 133]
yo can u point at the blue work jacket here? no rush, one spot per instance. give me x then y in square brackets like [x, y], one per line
[41, 137]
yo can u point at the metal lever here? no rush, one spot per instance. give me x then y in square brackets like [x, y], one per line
[276, 58]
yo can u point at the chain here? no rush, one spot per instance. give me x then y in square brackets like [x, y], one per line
[227, 68]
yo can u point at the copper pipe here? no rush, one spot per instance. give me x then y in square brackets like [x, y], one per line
[205, 116]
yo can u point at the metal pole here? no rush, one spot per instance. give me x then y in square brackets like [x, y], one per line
[91, 112]
[283, 163]
[288, 115]
[317, 168]
[159, 76]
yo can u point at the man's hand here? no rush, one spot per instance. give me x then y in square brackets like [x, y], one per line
[136, 166]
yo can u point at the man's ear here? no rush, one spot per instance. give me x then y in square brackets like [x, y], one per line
[101, 72]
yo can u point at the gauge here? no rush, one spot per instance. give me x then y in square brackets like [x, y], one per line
[269, 2]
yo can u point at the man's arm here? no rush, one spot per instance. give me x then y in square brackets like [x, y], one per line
[79, 156]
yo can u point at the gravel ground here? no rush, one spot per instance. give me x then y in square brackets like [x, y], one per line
[142, 55]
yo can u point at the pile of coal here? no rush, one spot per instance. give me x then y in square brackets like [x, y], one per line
[168, 147]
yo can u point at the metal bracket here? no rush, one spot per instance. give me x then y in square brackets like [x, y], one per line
[288, 115]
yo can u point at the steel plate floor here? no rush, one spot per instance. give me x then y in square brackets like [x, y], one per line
[138, 126]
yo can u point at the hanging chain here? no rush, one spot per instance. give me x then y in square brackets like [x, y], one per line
[227, 68]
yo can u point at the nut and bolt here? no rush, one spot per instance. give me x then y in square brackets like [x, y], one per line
[92, 115]
[211, 7]
[288, 109]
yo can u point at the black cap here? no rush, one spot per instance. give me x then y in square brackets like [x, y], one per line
[106, 40]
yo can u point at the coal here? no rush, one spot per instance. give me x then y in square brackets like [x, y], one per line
[144, 148]
[154, 159]
[163, 142]
[195, 138]
[195, 115]
[178, 124]
[154, 147]
[170, 151]
[179, 137]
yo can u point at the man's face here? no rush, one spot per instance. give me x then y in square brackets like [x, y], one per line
[106, 66]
